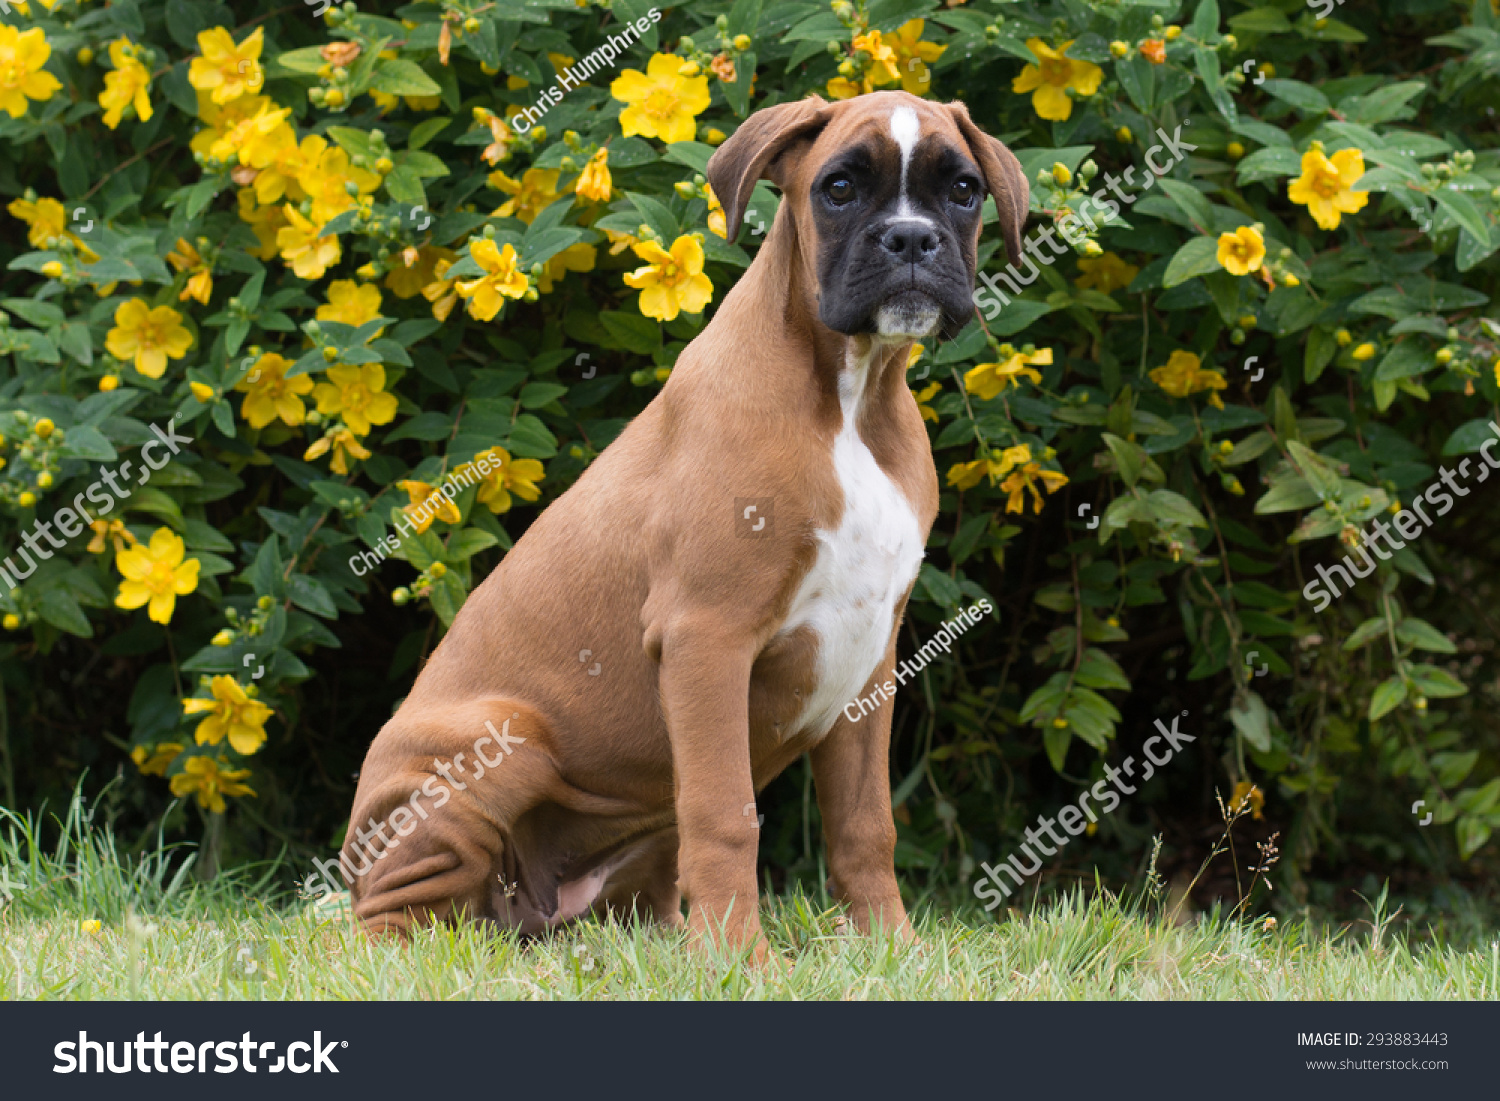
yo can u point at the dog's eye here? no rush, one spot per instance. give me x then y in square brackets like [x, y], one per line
[963, 192]
[840, 190]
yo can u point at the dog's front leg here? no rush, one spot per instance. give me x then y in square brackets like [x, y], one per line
[705, 687]
[852, 772]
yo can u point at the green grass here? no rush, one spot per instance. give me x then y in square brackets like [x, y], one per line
[164, 934]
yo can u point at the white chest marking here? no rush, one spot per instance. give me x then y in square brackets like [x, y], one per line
[905, 129]
[862, 568]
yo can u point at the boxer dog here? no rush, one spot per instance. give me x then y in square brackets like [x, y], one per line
[694, 613]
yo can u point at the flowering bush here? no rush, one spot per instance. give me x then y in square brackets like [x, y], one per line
[393, 279]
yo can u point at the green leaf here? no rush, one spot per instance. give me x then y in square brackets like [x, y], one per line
[1464, 211]
[1436, 683]
[86, 442]
[1129, 457]
[1469, 437]
[1286, 494]
[1198, 257]
[1252, 719]
[468, 543]
[399, 77]
[1193, 204]
[1174, 509]
[1424, 636]
[1099, 670]
[1304, 97]
[1389, 696]
[1366, 633]
[310, 594]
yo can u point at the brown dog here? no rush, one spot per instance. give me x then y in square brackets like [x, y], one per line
[694, 613]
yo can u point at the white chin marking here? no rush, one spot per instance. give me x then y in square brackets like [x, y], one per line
[906, 320]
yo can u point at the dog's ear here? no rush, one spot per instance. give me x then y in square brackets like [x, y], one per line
[753, 152]
[1003, 179]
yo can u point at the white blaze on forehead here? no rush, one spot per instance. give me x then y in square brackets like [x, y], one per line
[905, 130]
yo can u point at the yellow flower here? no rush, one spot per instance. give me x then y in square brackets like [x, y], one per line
[155, 761]
[925, 395]
[46, 220]
[265, 221]
[506, 476]
[1246, 793]
[407, 279]
[22, 56]
[344, 444]
[988, 379]
[1325, 185]
[717, 223]
[200, 284]
[156, 573]
[1053, 73]
[126, 86]
[529, 196]
[250, 137]
[148, 337]
[882, 68]
[325, 176]
[661, 102]
[357, 393]
[93, 926]
[996, 465]
[300, 245]
[1183, 374]
[441, 292]
[231, 712]
[351, 303]
[502, 279]
[1242, 251]
[205, 778]
[671, 282]
[1025, 478]
[114, 530]
[595, 182]
[579, 257]
[913, 56]
[1366, 351]
[272, 394]
[279, 161]
[502, 135]
[427, 505]
[227, 70]
[1105, 273]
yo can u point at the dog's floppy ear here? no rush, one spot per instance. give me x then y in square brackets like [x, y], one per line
[1003, 179]
[751, 152]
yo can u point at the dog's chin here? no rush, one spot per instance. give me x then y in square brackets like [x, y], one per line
[909, 315]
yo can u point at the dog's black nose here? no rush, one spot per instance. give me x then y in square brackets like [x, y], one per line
[910, 241]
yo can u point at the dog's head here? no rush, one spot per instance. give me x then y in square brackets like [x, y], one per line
[885, 191]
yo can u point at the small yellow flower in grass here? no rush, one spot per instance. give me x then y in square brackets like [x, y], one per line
[154, 762]
[1326, 185]
[1247, 796]
[594, 182]
[1105, 273]
[200, 285]
[343, 443]
[1184, 374]
[1049, 78]
[126, 86]
[220, 72]
[1269, 926]
[579, 257]
[1366, 351]
[230, 713]
[309, 254]
[502, 279]
[988, 379]
[996, 465]
[210, 781]
[148, 337]
[507, 476]
[1242, 251]
[356, 393]
[1025, 478]
[350, 303]
[925, 395]
[93, 926]
[22, 55]
[662, 102]
[427, 505]
[112, 530]
[272, 394]
[671, 282]
[529, 196]
[156, 573]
